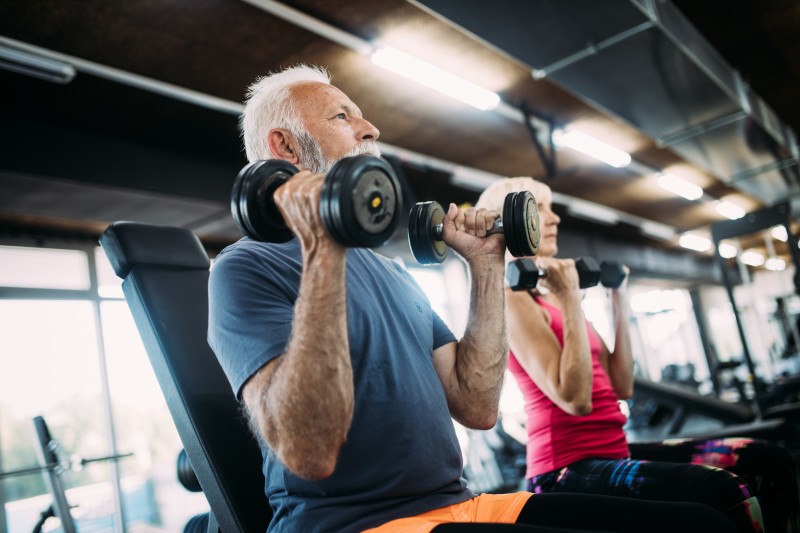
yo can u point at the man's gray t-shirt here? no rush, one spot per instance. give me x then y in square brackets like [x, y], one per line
[401, 457]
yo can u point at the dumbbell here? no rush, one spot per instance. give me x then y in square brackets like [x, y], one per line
[519, 225]
[612, 274]
[523, 273]
[359, 202]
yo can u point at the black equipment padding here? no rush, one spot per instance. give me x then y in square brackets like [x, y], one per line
[129, 244]
[165, 282]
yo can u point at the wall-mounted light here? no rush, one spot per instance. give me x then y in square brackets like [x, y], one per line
[679, 186]
[36, 66]
[592, 147]
[729, 209]
[727, 250]
[435, 78]
[695, 242]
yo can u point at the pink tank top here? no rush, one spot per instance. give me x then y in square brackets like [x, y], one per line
[557, 439]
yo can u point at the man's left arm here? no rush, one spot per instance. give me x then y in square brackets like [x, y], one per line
[472, 369]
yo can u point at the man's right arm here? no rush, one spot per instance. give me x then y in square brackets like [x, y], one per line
[302, 401]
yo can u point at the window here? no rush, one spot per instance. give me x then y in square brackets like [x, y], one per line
[69, 352]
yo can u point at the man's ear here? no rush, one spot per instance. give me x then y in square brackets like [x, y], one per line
[282, 146]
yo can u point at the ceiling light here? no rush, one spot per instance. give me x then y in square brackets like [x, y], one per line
[729, 209]
[727, 250]
[695, 242]
[657, 230]
[35, 65]
[417, 70]
[592, 212]
[779, 233]
[592, 147]
[752, 258]
[679, 186]
[774, 263]
[471, 178]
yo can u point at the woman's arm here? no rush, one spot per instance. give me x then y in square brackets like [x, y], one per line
[563, 374]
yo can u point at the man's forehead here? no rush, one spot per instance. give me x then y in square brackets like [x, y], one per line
[320, 95]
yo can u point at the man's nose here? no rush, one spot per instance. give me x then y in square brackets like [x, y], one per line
[369, 132]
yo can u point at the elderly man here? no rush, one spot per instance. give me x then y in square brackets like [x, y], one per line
[349, 378]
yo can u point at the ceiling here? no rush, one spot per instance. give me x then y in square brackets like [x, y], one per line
[147, 128]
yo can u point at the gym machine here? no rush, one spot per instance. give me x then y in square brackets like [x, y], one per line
[53, 469]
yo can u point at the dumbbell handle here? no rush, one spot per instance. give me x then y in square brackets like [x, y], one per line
[497, 227]
[588, 273]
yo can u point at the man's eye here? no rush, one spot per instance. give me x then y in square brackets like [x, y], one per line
[341, 116]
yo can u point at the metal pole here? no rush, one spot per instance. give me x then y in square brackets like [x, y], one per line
[119, 512]
[47, 455]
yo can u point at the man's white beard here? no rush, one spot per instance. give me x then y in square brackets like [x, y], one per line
[312, 159]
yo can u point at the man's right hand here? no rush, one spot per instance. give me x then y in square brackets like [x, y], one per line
[298, 201]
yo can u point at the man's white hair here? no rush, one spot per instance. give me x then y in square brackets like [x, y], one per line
[269, 105]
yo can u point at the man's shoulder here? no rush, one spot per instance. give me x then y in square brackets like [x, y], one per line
[247, 249]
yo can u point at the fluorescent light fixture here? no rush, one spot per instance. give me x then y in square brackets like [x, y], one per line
[729, 209]
[471, 178]
[591, 147]
[37, 66]
[659, 231]
[749, 257]
[426, 74]
[679, 186]
[592, 212]
[696, 242]
[775, 264]
[727, 250]
[779, 233]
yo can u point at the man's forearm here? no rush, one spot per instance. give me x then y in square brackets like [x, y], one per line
[308, 402]
[483, 351]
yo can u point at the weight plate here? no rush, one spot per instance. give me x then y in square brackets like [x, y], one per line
[521, 224]
[360, 201]
[252, 204]
[530, 221]
[425, 242]
[509, 225]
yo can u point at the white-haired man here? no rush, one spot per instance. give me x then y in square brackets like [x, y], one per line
[350, 379]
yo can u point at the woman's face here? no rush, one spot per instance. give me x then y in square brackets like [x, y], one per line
[548, 225]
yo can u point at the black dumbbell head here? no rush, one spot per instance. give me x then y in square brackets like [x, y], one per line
[522, 274]
[428, 247]
[252, 204]
[360, 200]
[521, 224]
[612, 274]
[588, 272]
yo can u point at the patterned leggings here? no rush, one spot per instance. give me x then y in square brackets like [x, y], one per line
[689, 470]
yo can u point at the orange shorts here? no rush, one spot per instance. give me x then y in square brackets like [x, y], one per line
[492, 508]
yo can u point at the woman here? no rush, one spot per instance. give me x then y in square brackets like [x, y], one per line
[572, 382]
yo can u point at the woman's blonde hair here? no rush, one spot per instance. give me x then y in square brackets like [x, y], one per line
[494, 195]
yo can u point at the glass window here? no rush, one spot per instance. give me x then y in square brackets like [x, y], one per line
[108, 284]
[43, 268]
[666, 340]
[145, 428]
[49, 368]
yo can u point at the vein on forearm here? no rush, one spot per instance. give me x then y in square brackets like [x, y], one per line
[308, 402]
[483, 351]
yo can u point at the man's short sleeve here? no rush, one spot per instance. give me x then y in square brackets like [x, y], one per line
[251, 304]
